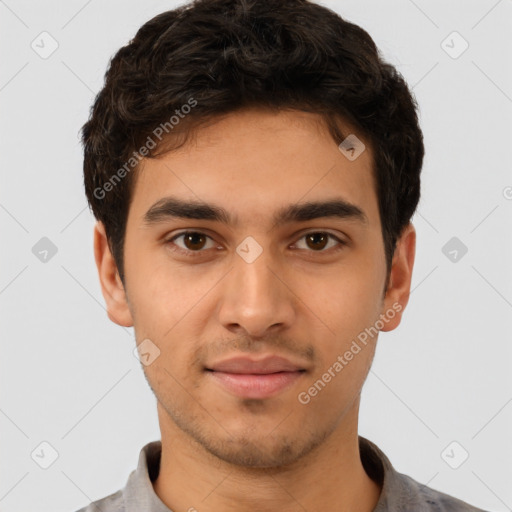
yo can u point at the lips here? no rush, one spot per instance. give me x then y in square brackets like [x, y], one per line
[257, 379]
[269, 364]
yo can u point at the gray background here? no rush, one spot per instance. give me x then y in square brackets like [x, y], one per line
[68, 375]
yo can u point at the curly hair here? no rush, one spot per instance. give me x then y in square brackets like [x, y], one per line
[209, 58]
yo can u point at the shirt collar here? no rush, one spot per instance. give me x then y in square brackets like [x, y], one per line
[139, 493]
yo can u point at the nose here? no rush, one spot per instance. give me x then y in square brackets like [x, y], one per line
[256, 297]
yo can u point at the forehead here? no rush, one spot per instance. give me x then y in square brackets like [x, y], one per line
[252, 163]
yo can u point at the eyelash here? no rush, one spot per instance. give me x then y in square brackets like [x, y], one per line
[193, 254]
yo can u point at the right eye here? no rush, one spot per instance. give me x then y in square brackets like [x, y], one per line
[193, 242]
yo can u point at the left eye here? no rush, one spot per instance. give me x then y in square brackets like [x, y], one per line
[320, 239]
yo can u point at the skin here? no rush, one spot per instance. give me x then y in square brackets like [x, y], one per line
[299, 299]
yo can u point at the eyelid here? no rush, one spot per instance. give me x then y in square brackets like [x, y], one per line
[341, 243]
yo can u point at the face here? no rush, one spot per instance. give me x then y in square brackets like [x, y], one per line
[261, 308]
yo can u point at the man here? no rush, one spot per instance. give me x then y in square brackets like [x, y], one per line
[253, 167]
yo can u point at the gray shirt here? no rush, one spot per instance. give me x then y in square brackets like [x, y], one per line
[400, 493]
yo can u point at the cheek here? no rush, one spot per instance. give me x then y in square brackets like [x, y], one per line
[349, 302]
[164, 293]
[333, 389]
[348, 347]
[172, 312]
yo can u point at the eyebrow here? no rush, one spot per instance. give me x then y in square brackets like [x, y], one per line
[169, 208]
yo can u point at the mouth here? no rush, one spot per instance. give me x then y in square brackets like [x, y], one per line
[261, 385]
[247, 378]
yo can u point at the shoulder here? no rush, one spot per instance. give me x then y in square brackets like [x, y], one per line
[111, 503]
[435, 501]
[400, 492]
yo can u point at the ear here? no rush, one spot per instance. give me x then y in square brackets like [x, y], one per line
[111, 284]
[398, 291]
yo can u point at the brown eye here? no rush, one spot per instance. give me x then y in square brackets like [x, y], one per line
[193, 241]
[318, 241]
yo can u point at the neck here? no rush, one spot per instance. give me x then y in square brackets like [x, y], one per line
[331, 477]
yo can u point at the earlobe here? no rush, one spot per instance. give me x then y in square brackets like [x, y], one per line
[111, 286]
[397, 294]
